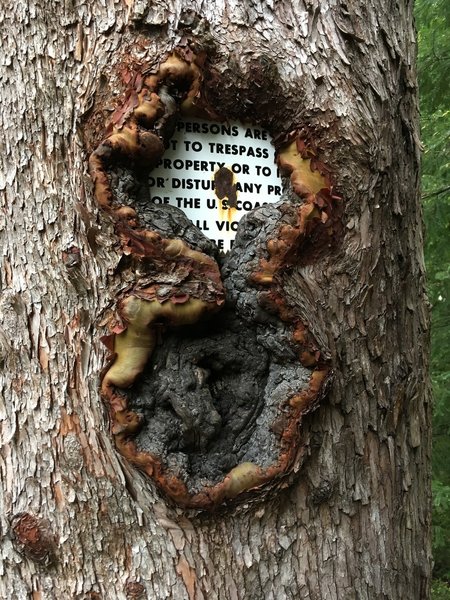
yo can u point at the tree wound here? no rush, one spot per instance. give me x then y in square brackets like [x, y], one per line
[212, 370]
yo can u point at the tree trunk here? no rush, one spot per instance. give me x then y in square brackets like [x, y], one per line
[343, 512]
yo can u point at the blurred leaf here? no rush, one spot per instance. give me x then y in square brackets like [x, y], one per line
[433, 22]
[440, 591]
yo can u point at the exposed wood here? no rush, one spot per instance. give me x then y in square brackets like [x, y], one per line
[77, 520]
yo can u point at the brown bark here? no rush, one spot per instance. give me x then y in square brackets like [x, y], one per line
[77, 519]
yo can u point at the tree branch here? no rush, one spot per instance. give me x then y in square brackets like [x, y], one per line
[436, 193]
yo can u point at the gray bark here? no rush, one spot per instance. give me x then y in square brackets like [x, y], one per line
[77, 519]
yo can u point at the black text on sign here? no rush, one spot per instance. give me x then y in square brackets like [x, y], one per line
[215, 173]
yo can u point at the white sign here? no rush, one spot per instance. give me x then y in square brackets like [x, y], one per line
[215, 173]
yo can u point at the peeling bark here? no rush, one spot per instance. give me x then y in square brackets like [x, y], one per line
[352, 518]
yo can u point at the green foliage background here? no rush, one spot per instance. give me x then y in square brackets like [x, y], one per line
[433, 21]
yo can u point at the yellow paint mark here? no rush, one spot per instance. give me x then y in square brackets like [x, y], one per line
[150, 107]
[303, 399]
[304, 180]
[124, 138]
[241, 478]
[134, 346]
[176, 248]
[263, 278]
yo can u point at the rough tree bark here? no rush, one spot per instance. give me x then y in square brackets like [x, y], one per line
[78, 519]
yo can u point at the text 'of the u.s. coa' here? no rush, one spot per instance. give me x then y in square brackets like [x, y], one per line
[215, 173]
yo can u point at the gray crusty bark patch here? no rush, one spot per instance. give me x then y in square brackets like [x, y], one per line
[212, 394]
